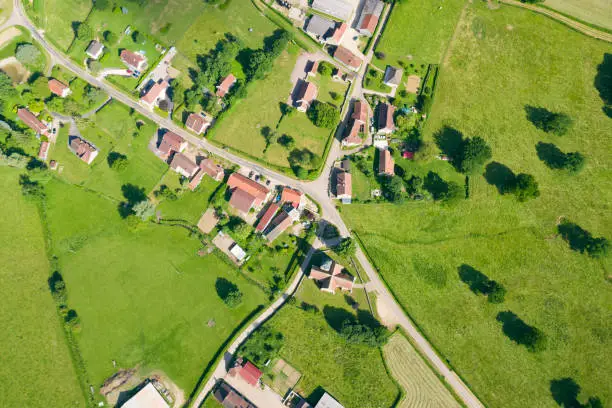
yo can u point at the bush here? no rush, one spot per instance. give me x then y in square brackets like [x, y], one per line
[582, 240]
[110, 37]
[144, 209]
[476, 152]
[138, 37]
[380, 55]
[101, 4]
[117, 161]
[165, 192]
[356, 333]
[525, 187]
[28, 54]
[497, 293]
[346, 247]
[324, 115]
[84, 31]
[228, 292]
[263, 345]
[325, 68]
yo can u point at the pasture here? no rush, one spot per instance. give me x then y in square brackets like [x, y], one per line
[563, 293]
[418, 31]
[36, 367]
[421, 386]
[595, 12]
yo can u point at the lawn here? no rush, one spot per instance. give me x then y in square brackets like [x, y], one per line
[326, 361]
[418, 31]
[591, 11]
[144, 296]
[561, 292]
[112, 129]
[34, 348]
[242, 128]
[421, 386]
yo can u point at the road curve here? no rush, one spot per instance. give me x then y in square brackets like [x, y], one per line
[313, 189]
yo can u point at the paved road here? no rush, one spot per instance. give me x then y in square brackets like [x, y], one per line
[315, 189]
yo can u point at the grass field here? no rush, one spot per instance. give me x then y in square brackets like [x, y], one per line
[326, 361]
[421, 386]
[596, 12]
[144, 296]
[36, 369]
[418, 28]
[561, 292]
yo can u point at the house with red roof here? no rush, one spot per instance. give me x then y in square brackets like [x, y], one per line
[59, 88]
[348, 58]
[386, 124]
[278, 225]
[292, 197]
[154, 94]
[359, 124]
[306, 93]
[248, 193]
[214, 170]
[43, 151]
[331, 276]
[171, 142]
[198, 123]
[386, 165]
[344, 187]
[183, 165]
[312, 68]
[338, 34]
[247, 371]
[32, 121]
[266, 218]
[369, 17]
[82, 149]
[226, 84]
[133, 60]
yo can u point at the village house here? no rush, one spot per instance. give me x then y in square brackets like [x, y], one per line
[359, 124]
[183, 165]
[393, 76]
[147, 397]
[369, 17]
[345, 56]
[266, 218]
[247, 371]
[306, 93]
[320, 27]
[278, 225]
[154, 94]
[312, 68]
[228, 397]
[338, 34]
[331, 276]
[58, 88]
[246, 193]
[82, 149]
[386, 165]
[171, 142]
[226, 84]
[43, 151]
[335, 8]
[198, 123]
[344, 187]
[292, 197]
[385, 118]
[94, 49]
[214, 170]
[32, 121]
[133, 60]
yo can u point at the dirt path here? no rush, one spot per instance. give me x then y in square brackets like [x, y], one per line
[583, 28]
[453, 38]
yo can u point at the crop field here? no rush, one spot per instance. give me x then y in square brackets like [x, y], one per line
[420, 246]
[330, 363]
[596, 12]
[418, 31]
[34, 348]
[143, 294]
[421, 386]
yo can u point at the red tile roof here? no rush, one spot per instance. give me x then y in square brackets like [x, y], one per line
[353, 136]
[31, 121]
[196, 180]
[242, 200]
[345, 56]
[313, 66]
[212, 169]
[385, 117]
[57, 87]
[333, 279]
[344, 184]
[250, 373]
[154, 92]
[237, 180]
[386, 165]
[280, 223]
[360, 112]
[291, 196]
[307, 93]
[225, 85]
[43, 151]
[131, 58]
[339, 32]
[83, 149]
[369, 23]
[170, 142]
[196, 122]
[264, 221]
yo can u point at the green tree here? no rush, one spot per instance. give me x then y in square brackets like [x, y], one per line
[355, 333]
[40, 87]
[324, 115]
[497, 293]
[84, 31]
[325, 68]
[259, 65]
[192, 98]
[28, 54]
[110, 38]
[476, 152]
[346, 247]
[144, 209]
[138, 37]
[394, 189]
[117, 161]
[101, 4]
[574, 162]
[263, 345]
[525, 187]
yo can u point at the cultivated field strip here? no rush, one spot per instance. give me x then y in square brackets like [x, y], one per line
[421, 386]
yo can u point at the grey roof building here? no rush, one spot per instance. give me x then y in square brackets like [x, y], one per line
[320, 26]
[393, 76]
[335, 8]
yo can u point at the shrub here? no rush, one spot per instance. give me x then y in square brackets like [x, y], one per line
[476, 152]
[356, 333]
[138, 37]
[110, 37]
[117, 161]
[497, 293]
[380, 55]
[28, 54]
[325, 68]
[101, 4]
[144, 209]
[83, 31]
[346, 247]
[324, 115]
[525, 187]
[263, 345]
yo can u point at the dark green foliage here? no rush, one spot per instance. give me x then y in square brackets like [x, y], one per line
[325, 68]
[218, 63]
[28, 54]
[192, 97]
[32, 190]
[521, 333]
[554, 158]
[603, 83]
[228, 292]
[557, 123]
[101, 4]
[480, 284]
[394, 189]
[117, 161]
[346, 247]
[261, 61]
[442, 190]
[110, 37]
[166, 193]
[83, 31]
[263, 345]
[57, 287]
[582, 240]
[138, 37]
[288, 142]
[565, 392]
[238, 91]
[304, 158]
[476, 152]
[324, 115]
[72, 320]
[497, 293]
[525, 187]
[357, 333]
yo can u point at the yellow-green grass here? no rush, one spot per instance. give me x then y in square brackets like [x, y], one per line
[6, 7]
[420, 29]
[111, 129]
[144, 296]
[34, 348]
[598, 12]
[236, 17]
[418, 247]
[190, 205]
[242, 127]
[421, 386]
[325, 360]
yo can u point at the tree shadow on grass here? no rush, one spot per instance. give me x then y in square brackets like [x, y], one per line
[133, 195]
[537, 116]
[450, 142]
[336, 316]
[518, 331]
[551, 155]
[577, 237]
[224, 287]
[603, 83]
[476, 280]
[436, 186]
[565, 392]
[500, 176]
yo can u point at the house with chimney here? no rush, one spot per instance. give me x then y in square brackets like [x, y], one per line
[212, 169]
[344, 187]
[369, 17]
[386, 164]
[348, 58]
[246, 194]
[225, 85]
[170, 143]
[183, 165]
[198, 122]
[279, 224]
[386, 125]
[331, 276]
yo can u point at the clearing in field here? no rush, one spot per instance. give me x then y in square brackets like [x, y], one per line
[598, 12]
[421, 386]
[35, 351]
[420, 247]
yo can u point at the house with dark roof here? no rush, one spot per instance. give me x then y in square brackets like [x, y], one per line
[320, 27]
[183, 165]
[82, 149]
[393, 76]
[229, 397]
[198, 122]
[305, 95]
[58, 88]
[348, 58]
[242, 200]
[171, 142]
[339, 9]
[133, 60]
[94, 49]
[386, 164]
[225, 85]
[344, 187]
[331, 276]
[386, 124]
[32, 121]
[369, 17]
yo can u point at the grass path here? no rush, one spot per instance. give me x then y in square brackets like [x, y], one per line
[583, 28]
